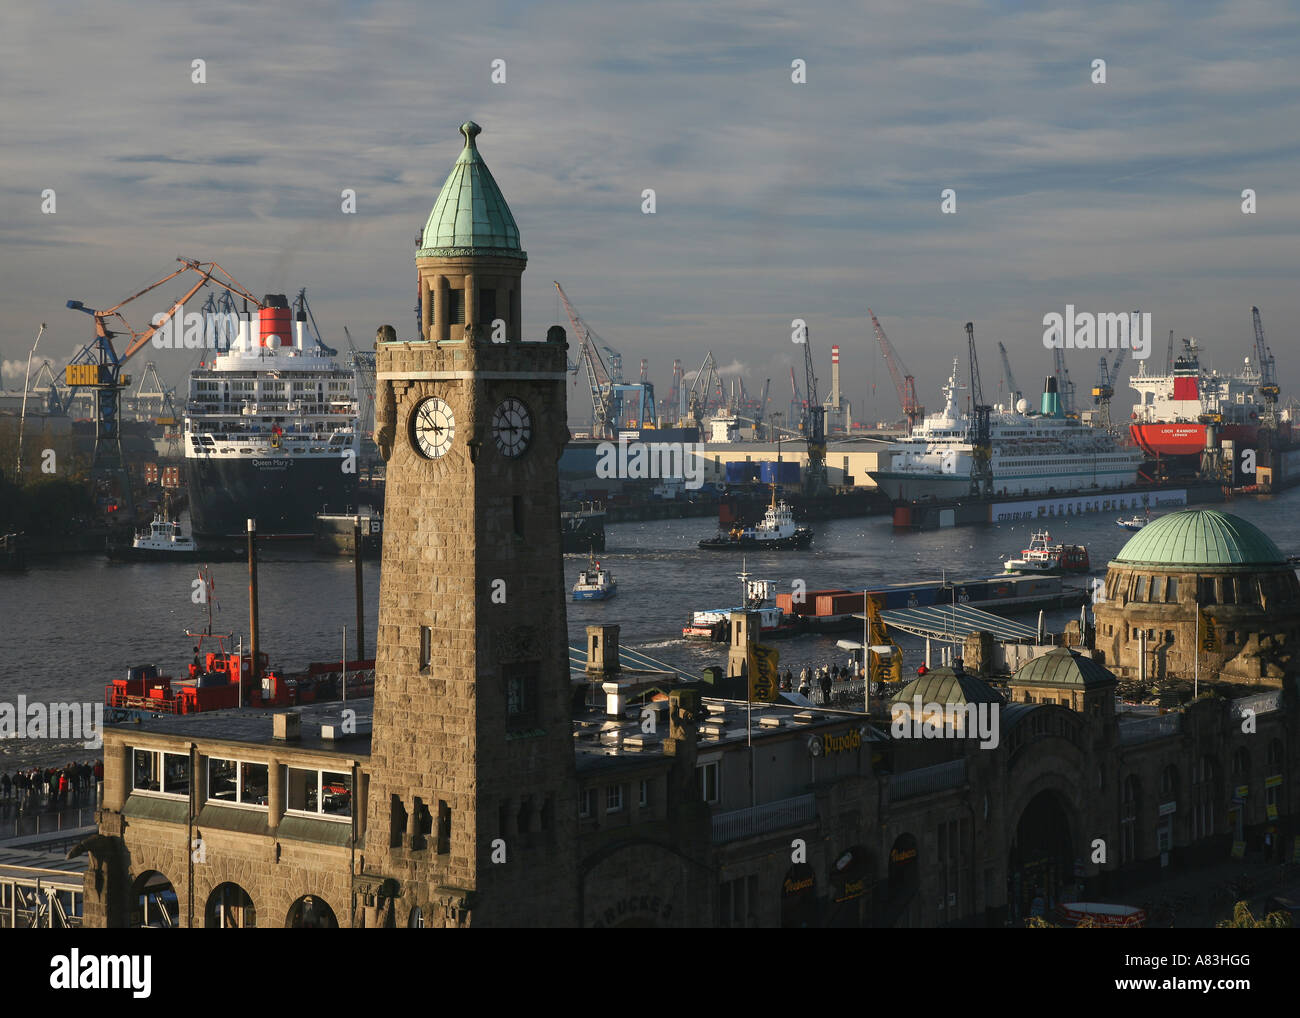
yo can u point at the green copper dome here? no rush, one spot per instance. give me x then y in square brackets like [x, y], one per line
[1200, 537]
[1063, 667]
[470, 216]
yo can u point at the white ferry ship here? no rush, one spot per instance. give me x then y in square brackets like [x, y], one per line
[1033, 453]
[270, 430]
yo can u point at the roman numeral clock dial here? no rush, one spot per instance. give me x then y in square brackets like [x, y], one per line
[433, 426]
[512, 427]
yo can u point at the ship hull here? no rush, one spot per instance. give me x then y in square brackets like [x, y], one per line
[1183, 438]
[282, 493]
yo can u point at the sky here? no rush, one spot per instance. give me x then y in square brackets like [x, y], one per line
[774, 199]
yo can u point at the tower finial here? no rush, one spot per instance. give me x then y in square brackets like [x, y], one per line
[471, 131]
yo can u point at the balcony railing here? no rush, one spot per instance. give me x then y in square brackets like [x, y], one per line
[926, 780]
[1159, 727]
[770, 816]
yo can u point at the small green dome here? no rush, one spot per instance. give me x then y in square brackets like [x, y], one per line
[1200, 537]
[1063, 667]
[470, 216]
[946, 686]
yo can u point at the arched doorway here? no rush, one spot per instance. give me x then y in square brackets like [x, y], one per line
[1040, 866]
[229, 908]
[904, 879]
[154, 903]
[799, 897]
[850, 889]
[311, 913]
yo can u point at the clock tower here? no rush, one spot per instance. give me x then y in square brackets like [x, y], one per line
[471, 808]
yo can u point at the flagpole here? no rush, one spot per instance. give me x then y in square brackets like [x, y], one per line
[1196, 668]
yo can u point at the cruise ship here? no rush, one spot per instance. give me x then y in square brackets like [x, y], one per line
[1033, 453]
[271, 430]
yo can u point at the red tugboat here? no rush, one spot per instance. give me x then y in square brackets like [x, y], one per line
[219, 679]
[1042, 556]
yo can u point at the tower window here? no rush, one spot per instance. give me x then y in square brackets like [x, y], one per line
[548, 812]
[521, 695]
[487, 307]
[456, 307]
[397, 823]
[423, 824]
[426, 646]
[444, 828]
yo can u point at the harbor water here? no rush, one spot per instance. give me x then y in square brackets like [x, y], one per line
[69, 626]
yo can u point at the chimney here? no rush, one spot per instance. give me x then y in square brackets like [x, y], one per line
[835, 377]
[287, 726]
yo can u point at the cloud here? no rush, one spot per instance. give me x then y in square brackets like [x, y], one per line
[774, 200]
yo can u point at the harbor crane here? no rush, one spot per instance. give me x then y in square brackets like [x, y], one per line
[814, 425]
[98, 366]
[904, 382]
[1268, 386]
[598, 377]
[1063, 384]
[1013, 390]
[1107, 376]
[980, 434]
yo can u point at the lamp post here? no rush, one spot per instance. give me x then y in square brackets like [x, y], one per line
[22, 418]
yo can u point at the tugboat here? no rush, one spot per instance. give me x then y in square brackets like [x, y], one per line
[1044, 557]
[777, 530]
[164, 541]
[774, 623]
[1135, 522]
[594, 584]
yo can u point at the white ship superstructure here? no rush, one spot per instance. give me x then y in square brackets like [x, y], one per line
[270, 430]
[1032, 454]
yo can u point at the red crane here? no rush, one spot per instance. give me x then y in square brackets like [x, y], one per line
[904, 383]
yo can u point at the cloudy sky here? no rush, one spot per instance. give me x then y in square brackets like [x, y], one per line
[775, 200]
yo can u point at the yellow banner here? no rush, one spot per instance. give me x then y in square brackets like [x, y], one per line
[1209, 634]
[764, 681]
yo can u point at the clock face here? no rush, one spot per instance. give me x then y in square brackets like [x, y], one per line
[433, 426]
[512, 427]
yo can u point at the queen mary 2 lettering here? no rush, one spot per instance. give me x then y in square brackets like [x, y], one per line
[271, 430]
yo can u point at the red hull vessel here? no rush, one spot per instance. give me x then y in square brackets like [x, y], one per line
[1180, 438]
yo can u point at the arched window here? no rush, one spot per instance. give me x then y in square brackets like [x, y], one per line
[1241, 766]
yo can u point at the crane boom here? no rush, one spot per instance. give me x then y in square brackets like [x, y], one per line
[1268, 382]
[1013, 390]
[904, 382]
[598, 377]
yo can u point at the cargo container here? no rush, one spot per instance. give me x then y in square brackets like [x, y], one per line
[783, 472]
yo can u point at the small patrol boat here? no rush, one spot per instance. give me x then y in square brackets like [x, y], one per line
[594, 584]
[165, 541]
[1042, 556]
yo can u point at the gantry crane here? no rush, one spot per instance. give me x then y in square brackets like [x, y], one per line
[1268, 386]
[1063, 384]
[1104, 390]
[598, 376]
[814, 425]
[99, 367]
[1013, 390]
[979, 435]
[904, 383]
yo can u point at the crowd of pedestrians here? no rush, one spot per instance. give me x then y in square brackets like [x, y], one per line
[50, 788]
[824, 678]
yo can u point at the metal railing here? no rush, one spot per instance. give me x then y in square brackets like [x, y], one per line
[1159, 727]
[25, 823]
[770, 816]
[926, 780]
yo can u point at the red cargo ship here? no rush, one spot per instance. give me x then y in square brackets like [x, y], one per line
[1174, 411]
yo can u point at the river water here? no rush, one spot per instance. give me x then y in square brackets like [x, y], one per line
[70, 626]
